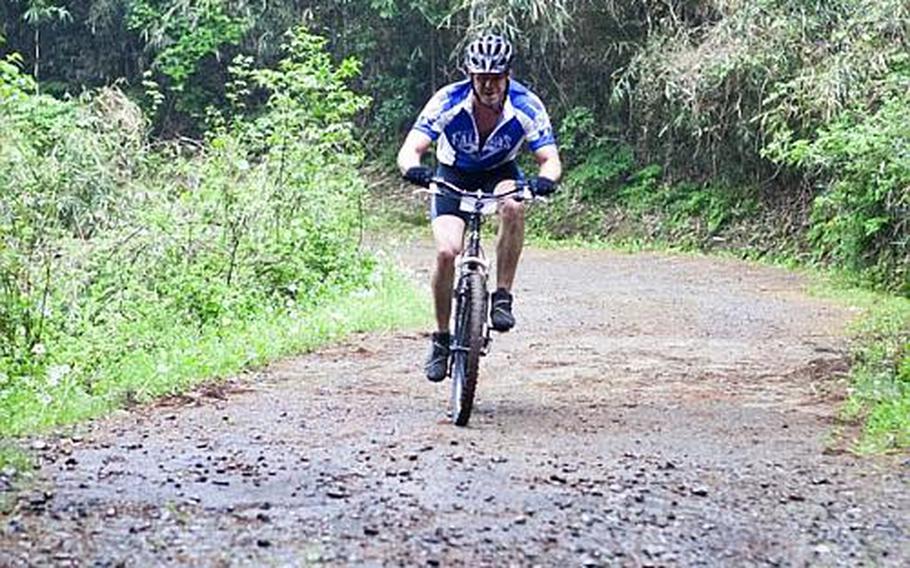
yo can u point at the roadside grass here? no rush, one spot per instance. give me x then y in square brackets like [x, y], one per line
[879, 395]
[188, 357]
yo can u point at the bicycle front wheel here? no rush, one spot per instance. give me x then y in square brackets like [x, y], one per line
[471, 315]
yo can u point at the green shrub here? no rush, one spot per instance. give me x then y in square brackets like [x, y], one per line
[707, 93]
[182, 36]
[114, 249]
[861, 218]
[596, 164]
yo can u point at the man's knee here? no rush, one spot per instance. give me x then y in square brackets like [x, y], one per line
[512, 211]
[446, 255]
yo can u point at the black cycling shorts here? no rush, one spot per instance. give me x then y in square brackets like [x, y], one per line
[470, 181]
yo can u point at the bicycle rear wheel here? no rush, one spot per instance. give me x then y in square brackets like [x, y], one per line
[471, 315]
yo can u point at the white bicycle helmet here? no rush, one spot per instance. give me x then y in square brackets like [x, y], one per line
[488, 54]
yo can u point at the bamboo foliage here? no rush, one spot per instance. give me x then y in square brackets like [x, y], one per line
[516, 17]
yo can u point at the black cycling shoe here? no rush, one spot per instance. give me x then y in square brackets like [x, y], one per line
[501, 310]
[438, 360]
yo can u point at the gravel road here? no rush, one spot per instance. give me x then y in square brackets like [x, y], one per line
[648, 410]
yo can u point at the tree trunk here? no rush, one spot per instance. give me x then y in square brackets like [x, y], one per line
[37, 56]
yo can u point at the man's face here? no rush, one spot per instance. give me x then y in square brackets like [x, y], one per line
[490, 87]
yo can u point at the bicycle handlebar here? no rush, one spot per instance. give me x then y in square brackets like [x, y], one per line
[440, 186]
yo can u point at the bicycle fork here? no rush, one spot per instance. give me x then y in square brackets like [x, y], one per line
[470, 265]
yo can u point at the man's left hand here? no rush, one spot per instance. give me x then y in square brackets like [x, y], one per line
[541, 186]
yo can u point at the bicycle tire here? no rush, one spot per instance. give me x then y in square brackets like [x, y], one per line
[469, 333]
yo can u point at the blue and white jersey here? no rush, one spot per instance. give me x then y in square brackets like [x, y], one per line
[448, 119]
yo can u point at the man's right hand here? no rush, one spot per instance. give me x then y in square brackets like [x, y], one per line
[419, 175]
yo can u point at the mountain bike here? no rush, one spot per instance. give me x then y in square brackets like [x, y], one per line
[471, 339]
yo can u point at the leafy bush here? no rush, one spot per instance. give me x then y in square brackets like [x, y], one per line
[182, 37]
[113, 248]
[63, 173]
[861, 220]
[708, 92]
[597, 164]
[743, 88]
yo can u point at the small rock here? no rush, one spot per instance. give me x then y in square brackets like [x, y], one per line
[654, 550]
[37, 498]
[338, 493]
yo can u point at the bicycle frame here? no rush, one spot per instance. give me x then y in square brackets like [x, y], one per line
[471, 339]
[472, 261]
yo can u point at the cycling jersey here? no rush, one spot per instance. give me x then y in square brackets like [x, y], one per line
[448, 119]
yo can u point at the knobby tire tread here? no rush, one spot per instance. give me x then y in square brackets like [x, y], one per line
[475, 315]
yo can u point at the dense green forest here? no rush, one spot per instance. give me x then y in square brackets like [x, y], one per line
[803, 105]
[179, 164]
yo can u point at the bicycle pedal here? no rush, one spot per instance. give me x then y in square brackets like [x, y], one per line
[487, 343]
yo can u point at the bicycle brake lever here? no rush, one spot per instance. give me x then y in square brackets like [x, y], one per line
[424, 191]
[524, 193]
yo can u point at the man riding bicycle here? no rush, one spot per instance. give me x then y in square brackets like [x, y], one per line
[479, 125]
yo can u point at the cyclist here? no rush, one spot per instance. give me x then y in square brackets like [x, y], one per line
[479, 125]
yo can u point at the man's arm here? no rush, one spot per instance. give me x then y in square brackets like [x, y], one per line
[414, 147]
[548, 160]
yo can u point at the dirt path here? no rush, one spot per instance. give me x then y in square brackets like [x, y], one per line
[648, 411]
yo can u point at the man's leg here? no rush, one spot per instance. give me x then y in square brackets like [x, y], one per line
[448, 233]
[511, 240]
[508, 251]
